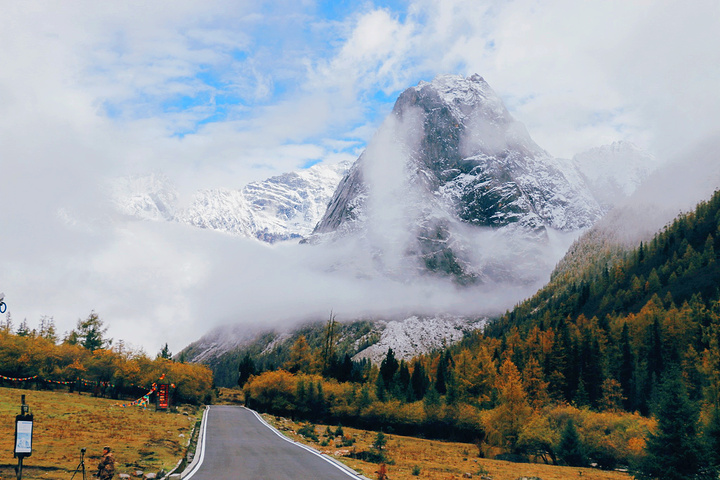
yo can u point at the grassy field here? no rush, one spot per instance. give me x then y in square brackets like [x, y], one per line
[63, 423]
[418, 458]
[150, 441]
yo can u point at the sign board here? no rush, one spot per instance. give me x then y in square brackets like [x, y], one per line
[23, 435]
[163, 396]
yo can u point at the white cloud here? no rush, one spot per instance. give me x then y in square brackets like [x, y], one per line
[90, 90]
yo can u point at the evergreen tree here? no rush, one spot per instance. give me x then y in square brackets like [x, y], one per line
[591, 376]
[300, 396]
[246, 369]
[582, 398]
[571, 450]
[627, 369]
[441, 378]
[380, 441]
[23, 330]
[431, 404]
[653, 282]
[47, 328]
[380, 388]
[7, 326]
[388, 367]
[364, 401]
[165, 352]
[674, 451]
[402, 382]
[419, 381]
[319, 407]
[89, 333]
[452, 394]
[712, 438]
[346, 369]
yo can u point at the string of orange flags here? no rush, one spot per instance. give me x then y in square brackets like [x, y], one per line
[18, 379]
[58, 382]
[142, 400]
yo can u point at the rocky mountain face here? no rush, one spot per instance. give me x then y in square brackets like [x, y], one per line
[613, 172]
[362, 339]
[148, 197]
[450, 186]
[466, 178]
[646, 207]
[281, 208]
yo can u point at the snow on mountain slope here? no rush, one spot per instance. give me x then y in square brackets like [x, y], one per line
[220, 209]
[675, 187]
[150, 197]
[614, 172]
[447, 175]
[450, 186]
[280, 208]
[365, 339]
[415, 335]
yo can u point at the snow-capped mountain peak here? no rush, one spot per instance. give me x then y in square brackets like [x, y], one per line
[614, 171]
[467, 165]
[280, 208]
[150, 197]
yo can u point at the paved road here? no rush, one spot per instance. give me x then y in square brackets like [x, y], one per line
[238, 446]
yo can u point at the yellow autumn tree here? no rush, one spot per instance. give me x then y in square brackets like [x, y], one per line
[301, 357]
[272, 391]
[505, 422]
[534, 384]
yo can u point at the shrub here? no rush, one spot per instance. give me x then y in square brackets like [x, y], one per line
[308, 431]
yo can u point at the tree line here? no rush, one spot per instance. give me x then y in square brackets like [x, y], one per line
[85, 359]
[619, 367]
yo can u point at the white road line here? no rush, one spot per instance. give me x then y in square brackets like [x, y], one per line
[200, 446]
[343, 468]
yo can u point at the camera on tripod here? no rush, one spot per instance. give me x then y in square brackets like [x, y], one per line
[81, 465]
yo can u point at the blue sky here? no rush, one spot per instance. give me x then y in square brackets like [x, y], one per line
[218, 93]
[266, 58]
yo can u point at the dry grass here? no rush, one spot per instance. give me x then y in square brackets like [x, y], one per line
[63, 423]
[435, 459]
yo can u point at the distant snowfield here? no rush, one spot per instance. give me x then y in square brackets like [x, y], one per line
[414, 335]
[281, 208]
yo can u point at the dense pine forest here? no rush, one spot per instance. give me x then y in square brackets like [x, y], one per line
[616, 363]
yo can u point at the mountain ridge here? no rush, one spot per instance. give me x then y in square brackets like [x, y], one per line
[506, 185]
[280, 208]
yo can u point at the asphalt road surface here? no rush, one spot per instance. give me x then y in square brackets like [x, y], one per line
[238, 446]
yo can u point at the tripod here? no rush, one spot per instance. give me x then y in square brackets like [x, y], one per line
[81, 465]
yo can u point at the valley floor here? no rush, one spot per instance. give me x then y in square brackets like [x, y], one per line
[64, 423]
[413, 458]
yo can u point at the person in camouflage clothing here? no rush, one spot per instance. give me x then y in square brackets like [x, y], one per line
[106, 467]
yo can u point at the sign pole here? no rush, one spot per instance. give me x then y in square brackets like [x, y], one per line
[23, 435]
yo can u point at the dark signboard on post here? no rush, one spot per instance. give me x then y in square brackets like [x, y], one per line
[23, 435]
[163, 396]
